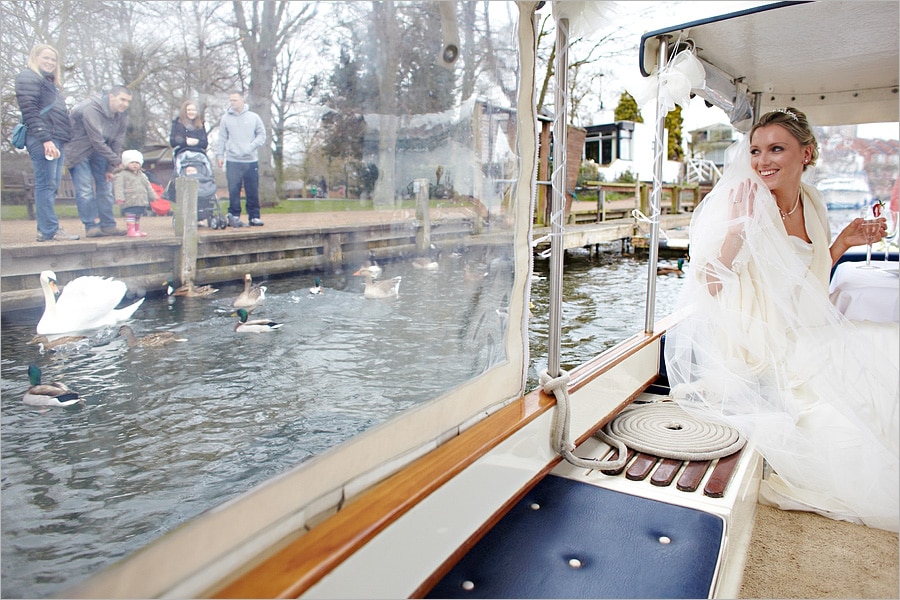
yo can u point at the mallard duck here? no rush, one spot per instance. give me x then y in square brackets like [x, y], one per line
[59, 344]
[679, 270]
[48, 394]
[316, 289]
[85, 303]
[252, 295]
[429, 262]
[151, 340]
[255, 326]
[190, 290]
[389, 288]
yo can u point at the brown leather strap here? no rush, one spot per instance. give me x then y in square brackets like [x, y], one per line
[692, 475]
[665, 472]
[641, 467]
[721, 475]
[614, 456]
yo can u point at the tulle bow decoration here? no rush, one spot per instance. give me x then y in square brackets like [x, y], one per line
[681, 74]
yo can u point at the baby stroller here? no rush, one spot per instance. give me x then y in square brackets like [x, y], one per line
[196, 165]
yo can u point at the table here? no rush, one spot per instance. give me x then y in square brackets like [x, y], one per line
[867, 294]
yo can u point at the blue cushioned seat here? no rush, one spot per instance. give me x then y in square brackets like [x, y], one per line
[583, 541]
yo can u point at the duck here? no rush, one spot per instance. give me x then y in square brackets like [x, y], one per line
[151, 340]
[430, 262]
[316, 289]
[389, 288]
[372, 266]
[252, 295]
[255, 326]
[48, 394]
[58, 344]
[190, 290]
[679, 270]
[85, 303]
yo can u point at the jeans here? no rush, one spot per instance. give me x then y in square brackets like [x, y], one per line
[93, 194]
[238, 173]
[47, 174]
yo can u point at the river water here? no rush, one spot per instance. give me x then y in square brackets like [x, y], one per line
[167, 433]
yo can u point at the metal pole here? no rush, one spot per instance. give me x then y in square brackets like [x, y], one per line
[659, 150]
[558, 199]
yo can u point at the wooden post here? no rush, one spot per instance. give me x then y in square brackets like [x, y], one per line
[186, 190]
[423, 214]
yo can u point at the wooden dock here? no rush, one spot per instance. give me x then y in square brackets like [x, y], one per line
[288, 243]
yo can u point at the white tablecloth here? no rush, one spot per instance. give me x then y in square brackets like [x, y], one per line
[867, 294]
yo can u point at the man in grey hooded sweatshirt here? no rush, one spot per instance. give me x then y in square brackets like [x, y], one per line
[241, 133]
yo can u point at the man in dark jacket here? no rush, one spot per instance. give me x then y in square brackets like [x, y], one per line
[94, 156]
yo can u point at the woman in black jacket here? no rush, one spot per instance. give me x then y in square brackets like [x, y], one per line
[44, 113]
[188, 131]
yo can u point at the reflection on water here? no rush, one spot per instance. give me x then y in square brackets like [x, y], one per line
[167, 433]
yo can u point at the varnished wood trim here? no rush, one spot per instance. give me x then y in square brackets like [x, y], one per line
[302, 562]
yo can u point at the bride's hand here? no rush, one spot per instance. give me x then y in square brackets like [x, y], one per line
[742, 201]
[854, 234]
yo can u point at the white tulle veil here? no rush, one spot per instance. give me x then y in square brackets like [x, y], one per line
[770, 355]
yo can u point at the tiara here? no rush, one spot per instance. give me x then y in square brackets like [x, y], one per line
[789, 113]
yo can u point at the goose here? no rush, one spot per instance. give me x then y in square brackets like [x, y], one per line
[429, 262]
[255, 326]
[189, 290]
[151, 340]
[316, 289]
[372, 266]
[85, 303]
[389, 288]
[252, 295]
[48, 394]
[59, 344]
[679, 270]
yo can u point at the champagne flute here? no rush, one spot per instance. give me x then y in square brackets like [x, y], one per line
[891, 217]
[870, 229]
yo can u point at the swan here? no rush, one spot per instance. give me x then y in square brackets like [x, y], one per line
[252, 295]
[85, 303]
[48, 394]
[151, 340]
[389, 288]
[255, 326]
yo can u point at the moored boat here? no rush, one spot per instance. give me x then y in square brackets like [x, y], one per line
[845, 193]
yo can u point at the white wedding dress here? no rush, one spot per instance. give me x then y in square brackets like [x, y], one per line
[770, 355]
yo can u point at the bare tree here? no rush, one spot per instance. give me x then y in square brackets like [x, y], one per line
[264, 29]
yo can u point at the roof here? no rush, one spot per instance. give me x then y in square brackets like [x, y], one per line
[835, 60]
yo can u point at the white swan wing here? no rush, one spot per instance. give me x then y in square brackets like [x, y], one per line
[86, 303]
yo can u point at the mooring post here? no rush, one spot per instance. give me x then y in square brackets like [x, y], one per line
[186, 190]
[423, 214]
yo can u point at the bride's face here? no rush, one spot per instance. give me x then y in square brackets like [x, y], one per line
[777, 156]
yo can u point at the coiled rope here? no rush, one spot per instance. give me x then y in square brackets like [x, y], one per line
[664, 429]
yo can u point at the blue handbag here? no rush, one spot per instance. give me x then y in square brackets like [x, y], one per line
[21, 130]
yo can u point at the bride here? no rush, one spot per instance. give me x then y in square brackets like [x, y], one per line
[764, 350]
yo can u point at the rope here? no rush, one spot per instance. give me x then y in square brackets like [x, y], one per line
[664, 429]
[559, 433]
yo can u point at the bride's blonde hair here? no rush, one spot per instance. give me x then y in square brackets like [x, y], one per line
[795, 122]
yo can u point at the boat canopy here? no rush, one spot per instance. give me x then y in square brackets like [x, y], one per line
[755, 61]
